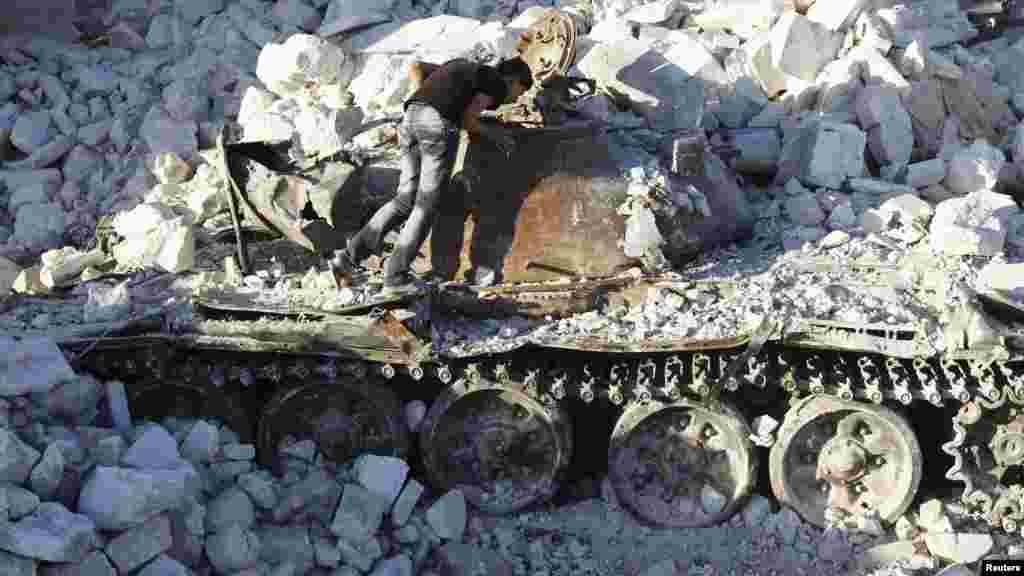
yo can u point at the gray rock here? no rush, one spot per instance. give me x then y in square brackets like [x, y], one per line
[233, 506]
[95, 564]
[326, 552]
[187, 100]
[117, 405]
[400, 565]
[31, 365]
[164, 566]
[51, 533]
[140, 494]
[361, 555]
[11, 565]
[96, 133]
[406, 502]
[76, 398]
[260, 487]
[109, 450]
[286, 544]
[46, 155]
[40, 226]
[135, 547]
[316, 485]
[297, 13]
[35, 193]
[202, 442]
[447, 516]
[233, 549]
[162, 133]
[81, 161]
[383, 475]
[32, 130]
[16, 458]
[193, 11]
[359, 514]
[48, 472]
[153, 449]
[20, 502]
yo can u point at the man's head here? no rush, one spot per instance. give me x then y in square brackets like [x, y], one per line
[518, 77]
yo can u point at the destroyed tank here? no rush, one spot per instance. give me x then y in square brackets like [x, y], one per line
[513, 394]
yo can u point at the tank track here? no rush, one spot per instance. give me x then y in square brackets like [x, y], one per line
[987, 447]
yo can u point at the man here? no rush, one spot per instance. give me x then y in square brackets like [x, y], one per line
[452, 97]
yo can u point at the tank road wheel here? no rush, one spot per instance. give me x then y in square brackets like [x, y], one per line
[681, 464]
[346, 416]
[834, 458]
[503, 449]
[157, 400]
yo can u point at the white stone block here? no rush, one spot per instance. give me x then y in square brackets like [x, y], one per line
[801, 47]
[975, 224]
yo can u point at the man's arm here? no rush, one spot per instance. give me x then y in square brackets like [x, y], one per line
[420, 71]
[471, 123]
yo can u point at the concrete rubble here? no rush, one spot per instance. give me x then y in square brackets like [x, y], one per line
[866, 132]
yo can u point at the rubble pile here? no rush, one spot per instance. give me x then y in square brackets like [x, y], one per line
[87, 490]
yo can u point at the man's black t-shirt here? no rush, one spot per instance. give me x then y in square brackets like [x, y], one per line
[451, 88]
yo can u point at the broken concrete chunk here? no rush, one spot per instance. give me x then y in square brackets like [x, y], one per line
[20, 502]
[233, 506]
[233, 549]
[95, 564]
[202, 442]
[260, 487]
[804, 210]
[51, 533]
[48, 472]
[163, 133]
[280, 544]
[359, 514]
[141, 495]
[1003, 277]
[14, 565]
[33, 365]
[975, 224]
[829, 154]
[164, 566]
[668, 98]
[286, 68]
[135, 547]
[406, 502]
[16, 458]
[383, 475]
[974, 168]
[447, 516]
[154, 448]
[117, 405]
[32, 130]
[801, 47]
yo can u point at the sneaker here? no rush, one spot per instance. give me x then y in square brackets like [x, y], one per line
[342, 267]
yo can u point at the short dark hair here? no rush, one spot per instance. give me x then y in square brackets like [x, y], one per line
[517, 68]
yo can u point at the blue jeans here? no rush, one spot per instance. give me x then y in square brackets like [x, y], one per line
[429, 144]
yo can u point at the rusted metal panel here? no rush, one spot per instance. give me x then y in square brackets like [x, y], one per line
[549, 212]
